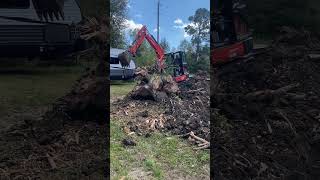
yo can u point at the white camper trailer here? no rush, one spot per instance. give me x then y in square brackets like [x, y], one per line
[117, 72]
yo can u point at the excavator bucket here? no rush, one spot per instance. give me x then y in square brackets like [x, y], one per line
[124, 59]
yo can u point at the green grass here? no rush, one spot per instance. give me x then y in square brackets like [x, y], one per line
[27, 87]
[154, 167]
[157, 153]
[121, 88]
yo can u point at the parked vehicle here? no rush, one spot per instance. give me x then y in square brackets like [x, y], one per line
[117, 72]
[24, 34]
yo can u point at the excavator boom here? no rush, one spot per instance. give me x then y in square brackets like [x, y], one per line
[144, 34]
[177, 58]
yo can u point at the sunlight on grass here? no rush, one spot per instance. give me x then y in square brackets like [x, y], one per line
[157, 153]
[121, 88]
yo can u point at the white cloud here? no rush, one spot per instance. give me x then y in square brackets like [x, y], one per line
[128, 5]
[131, 25]
[178, 21]
[179, 24]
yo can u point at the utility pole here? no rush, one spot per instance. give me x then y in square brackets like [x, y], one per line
[158, 28]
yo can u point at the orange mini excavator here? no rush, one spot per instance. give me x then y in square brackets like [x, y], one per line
[177, 59]
[232, 38]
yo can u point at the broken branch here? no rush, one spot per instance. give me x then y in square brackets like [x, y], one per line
[51, 161]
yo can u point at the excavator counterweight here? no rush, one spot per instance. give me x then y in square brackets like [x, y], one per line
[232, 38]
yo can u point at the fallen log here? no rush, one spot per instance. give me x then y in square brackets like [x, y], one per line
[198, 138]
[204, 143]
[266, 94]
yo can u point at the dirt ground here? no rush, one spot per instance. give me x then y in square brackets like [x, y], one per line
[178, 114]
[156, 126]
[77, 150]
[79, 153]
[265, 112]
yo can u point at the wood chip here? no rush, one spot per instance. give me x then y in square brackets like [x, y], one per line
[77, 139]
[197, 90]
[126, 112]
[314, 56]
[263, 168]
[51, 161]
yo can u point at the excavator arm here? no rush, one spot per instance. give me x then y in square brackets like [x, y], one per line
[144, 34]
[178, 60]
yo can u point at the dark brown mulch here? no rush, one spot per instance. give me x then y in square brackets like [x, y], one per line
[266, 113]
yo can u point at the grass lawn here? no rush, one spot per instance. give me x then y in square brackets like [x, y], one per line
[121, 88]
[160, 156]
[24, 89]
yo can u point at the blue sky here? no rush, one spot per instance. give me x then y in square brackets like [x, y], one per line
[173, 17]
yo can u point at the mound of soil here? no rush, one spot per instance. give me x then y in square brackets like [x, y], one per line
[179, 113]
[78, 152]
[68, 141]
[191, 110]
[266, 112]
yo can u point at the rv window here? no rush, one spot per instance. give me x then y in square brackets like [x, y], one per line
[114, 60]
[15, 4]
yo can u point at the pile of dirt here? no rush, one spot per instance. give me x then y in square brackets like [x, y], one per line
[265, 111]
[191, 109]
[180, 113]
[68, 141]
[79, 152]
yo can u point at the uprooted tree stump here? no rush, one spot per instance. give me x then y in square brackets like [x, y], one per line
[155, 87]
[88, 98]
[87, 101]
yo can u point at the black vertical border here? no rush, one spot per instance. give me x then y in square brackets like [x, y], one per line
[107, 165]
[211, 92]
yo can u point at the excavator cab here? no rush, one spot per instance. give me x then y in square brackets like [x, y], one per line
[177, 60]
[232, 38]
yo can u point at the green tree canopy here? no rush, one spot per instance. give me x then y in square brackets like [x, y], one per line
[199, 28]
[165, 45]
[118, 14]
[185, 46]
[145, 55]
[195, 64]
